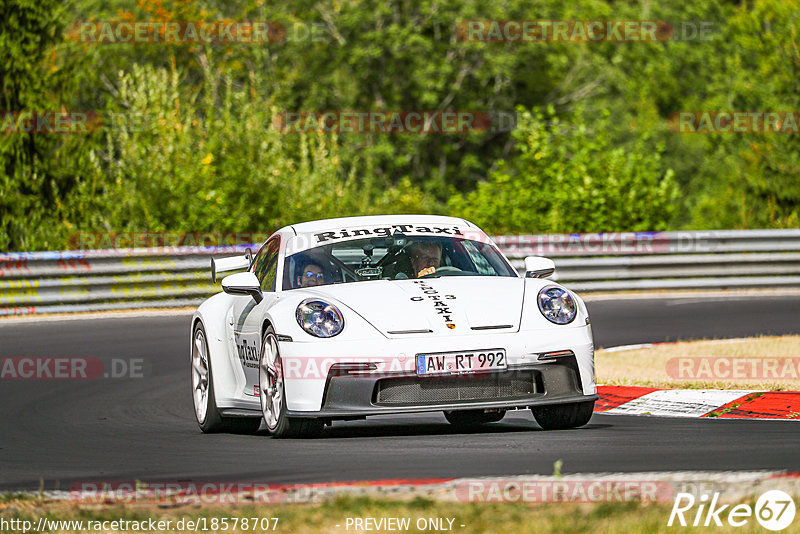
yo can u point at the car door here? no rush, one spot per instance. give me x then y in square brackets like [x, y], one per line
[246, 314]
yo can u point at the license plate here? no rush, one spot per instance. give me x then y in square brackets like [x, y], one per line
[445, 363]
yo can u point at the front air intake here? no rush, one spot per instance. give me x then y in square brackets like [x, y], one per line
[410, 391]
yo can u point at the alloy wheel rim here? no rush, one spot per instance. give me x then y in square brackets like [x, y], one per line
[270, 382]
[200, 376]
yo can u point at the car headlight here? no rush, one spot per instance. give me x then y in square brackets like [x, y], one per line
[319, 318]
[557, 305]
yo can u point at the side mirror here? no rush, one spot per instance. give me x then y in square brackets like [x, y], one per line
[243, 284]
[539, 267]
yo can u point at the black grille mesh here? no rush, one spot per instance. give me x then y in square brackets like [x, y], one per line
[489, 387]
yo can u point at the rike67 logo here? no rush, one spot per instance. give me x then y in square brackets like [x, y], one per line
[774, 510]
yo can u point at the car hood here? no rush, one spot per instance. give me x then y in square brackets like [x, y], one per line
[456, 305]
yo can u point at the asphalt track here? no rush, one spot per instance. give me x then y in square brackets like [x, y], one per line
[68, 431]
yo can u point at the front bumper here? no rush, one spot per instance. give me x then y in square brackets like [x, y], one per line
[352, 392]
[315, 385]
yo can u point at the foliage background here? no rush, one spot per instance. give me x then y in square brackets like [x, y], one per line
[187, 144]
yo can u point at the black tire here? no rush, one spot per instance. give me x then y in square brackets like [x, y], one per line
[473, 418]
[213, 421]
[563, 416]
[285, 427]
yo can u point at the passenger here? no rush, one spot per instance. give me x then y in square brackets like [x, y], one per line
[311, 275]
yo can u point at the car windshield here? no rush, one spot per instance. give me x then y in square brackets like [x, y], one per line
[397, 257]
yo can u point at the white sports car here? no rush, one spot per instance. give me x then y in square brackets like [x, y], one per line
[344, 318]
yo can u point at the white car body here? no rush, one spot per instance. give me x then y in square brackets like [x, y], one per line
[387, 324]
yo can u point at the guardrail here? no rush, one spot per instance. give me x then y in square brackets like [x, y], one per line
[93, 280]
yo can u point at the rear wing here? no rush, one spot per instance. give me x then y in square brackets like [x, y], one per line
[234, 263]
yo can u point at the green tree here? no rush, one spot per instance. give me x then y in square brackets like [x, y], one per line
[212, 161]
[36, 169]
[567, 176]
[752, 180]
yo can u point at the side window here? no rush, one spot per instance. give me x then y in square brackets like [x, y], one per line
[265, 266]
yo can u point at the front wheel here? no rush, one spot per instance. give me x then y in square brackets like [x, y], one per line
[562, 416]
[273, 395]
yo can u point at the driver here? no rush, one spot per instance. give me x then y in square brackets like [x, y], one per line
[311, 275]
[425, 257]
